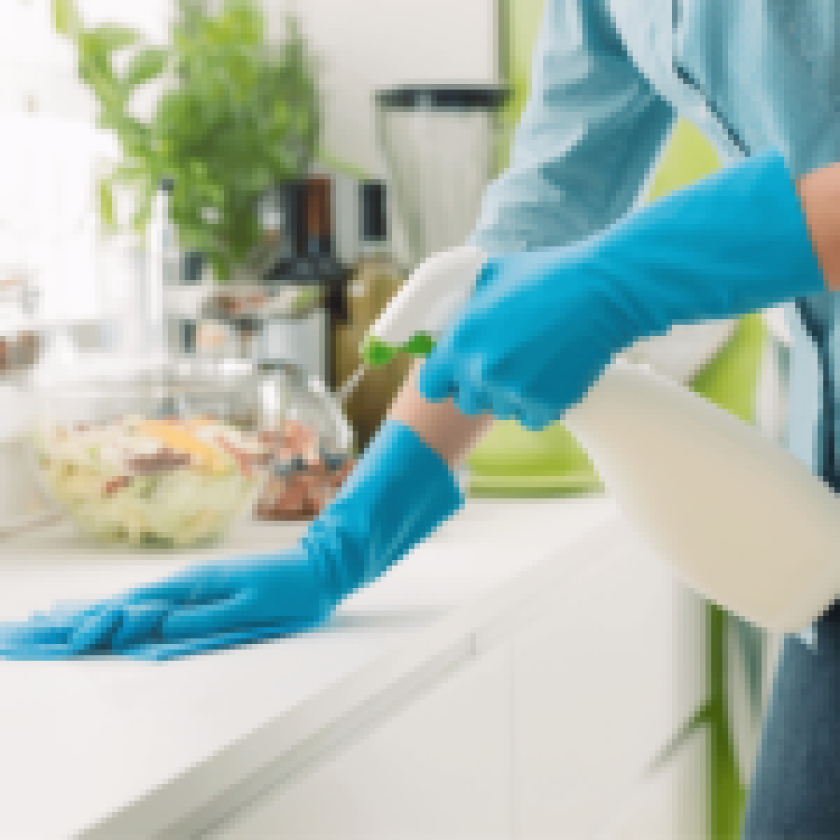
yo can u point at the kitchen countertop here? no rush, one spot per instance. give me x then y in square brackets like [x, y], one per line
[112, 747]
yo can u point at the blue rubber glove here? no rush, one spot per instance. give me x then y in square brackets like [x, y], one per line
[544, 324]
[399, 493]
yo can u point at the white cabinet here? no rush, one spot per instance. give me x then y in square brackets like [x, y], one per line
[605, 677]
[550, 731]
[437, 769]
[669, 804]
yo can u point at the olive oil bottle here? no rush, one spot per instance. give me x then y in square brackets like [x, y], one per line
[374, 280]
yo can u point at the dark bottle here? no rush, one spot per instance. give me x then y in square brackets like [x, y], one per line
[302, 277]
[373, 281]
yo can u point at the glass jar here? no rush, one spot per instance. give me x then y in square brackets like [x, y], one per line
[21, 342]
[20, 338]
[311, 443]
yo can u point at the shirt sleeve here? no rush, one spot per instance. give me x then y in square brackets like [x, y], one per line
[589, 136]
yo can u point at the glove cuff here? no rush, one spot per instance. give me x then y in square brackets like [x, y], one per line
[397, 496]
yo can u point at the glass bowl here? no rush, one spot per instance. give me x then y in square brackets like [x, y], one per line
[174, 457]
[168, 458]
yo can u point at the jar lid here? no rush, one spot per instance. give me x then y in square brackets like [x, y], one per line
[456, 97]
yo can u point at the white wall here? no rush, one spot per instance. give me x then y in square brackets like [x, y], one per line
[51, 151]
[369, 44]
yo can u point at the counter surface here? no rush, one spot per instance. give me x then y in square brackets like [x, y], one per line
[112, 747]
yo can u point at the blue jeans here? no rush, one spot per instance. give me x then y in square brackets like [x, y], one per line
[795, 791]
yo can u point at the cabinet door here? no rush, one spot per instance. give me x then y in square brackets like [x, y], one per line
[439, 768]
[671, 803]
[604, 677]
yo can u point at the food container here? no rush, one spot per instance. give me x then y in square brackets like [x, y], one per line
[173, 457]
[159, 458]
[311, 445]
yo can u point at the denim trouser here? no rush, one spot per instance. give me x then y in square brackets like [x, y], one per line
[795, 790]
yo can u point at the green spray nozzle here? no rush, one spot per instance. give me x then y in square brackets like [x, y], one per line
[376, 352]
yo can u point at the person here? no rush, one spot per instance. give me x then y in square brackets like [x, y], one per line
[575, 274]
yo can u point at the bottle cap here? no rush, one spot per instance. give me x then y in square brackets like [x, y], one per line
[373, 212]
[376, 352]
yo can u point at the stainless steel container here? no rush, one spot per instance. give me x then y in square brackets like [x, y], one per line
[441, 148]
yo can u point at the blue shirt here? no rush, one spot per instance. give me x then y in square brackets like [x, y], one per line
[611, 77]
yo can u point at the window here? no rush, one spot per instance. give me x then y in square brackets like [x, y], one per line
[50, 154]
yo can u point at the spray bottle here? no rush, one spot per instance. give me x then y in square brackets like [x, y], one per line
[740, 520]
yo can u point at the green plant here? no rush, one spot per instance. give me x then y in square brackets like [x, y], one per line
[235, 116]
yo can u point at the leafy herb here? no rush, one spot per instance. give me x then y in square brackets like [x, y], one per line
[237, 115]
